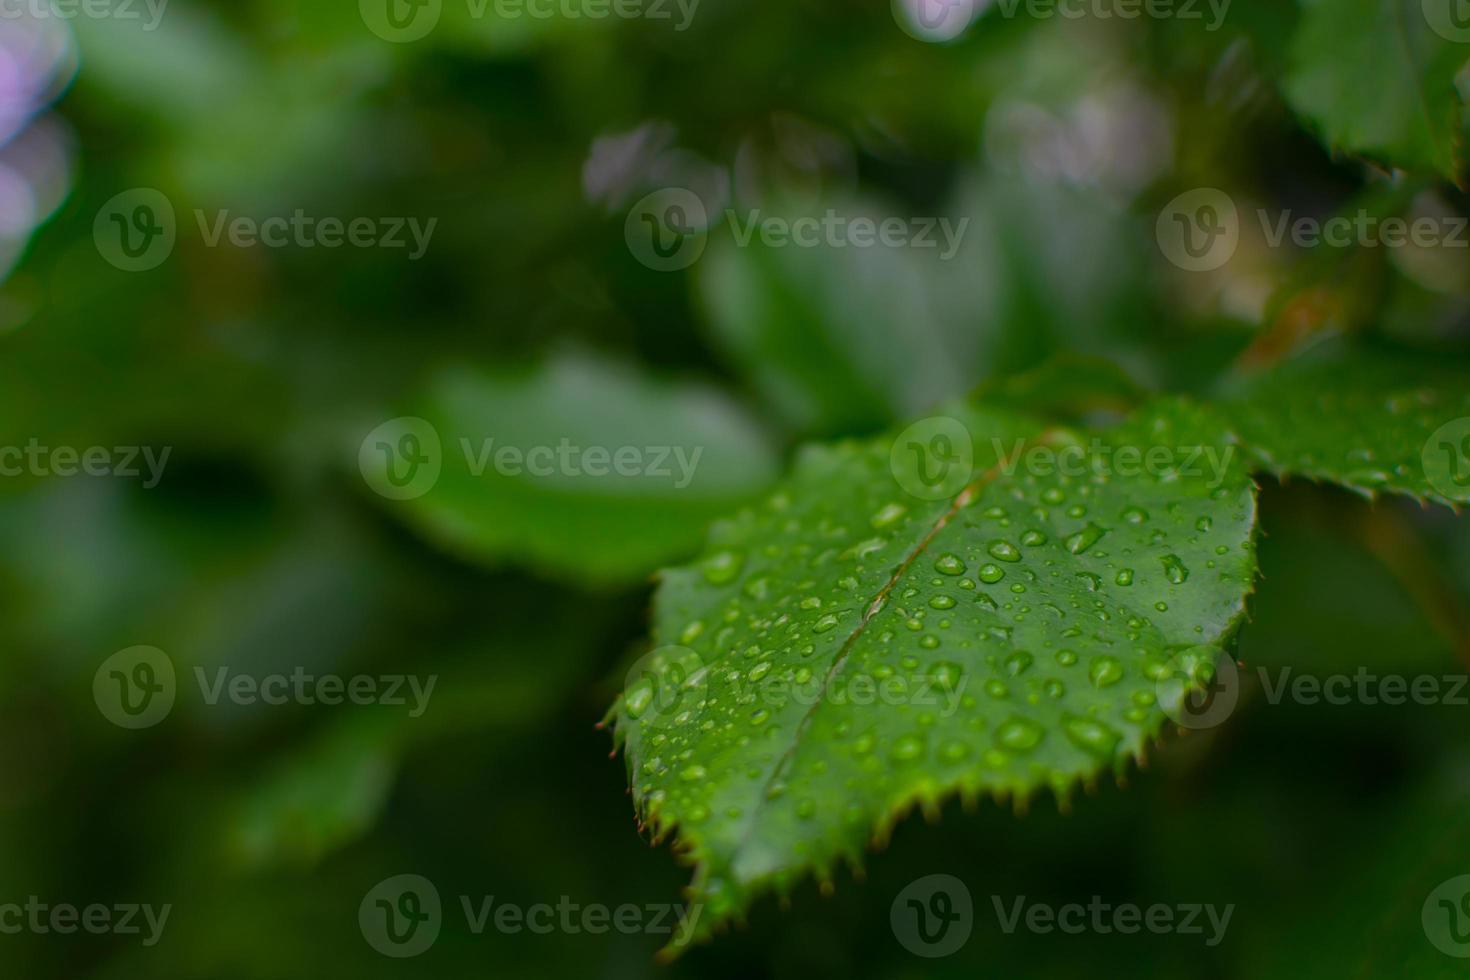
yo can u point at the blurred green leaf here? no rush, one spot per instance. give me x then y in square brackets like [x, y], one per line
[521, 482]
[1376, 79]
[1371, 420]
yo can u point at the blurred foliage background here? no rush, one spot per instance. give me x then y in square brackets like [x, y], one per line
[529, 319]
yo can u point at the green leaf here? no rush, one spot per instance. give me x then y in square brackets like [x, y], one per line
[1373, 421]
[837, 338]
[698, 455]
[1376, 79]
[1013, 636]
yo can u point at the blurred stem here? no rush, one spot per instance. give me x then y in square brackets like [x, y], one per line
[1331, 287]
[1398, 545]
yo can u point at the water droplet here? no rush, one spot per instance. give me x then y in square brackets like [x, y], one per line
[990, 574]
[1203, 524]
[941, 601]
[1174, 569]
[949, 564]
[638, 698]
[1080, 541]
[888, 515]
[1033, 538]
[1125, 576]
[722, 567]
[693, 774]
[825, 623]
[1093, 582]
[1002, 551]
[810, 602]
[1066, 658]
[907, 748]
[1019, 662]
[954, 751]
[947, 674]
[1091, 736]
[1019, 734]
[1104, 671]
[758, 671]
[1135, 515]
[691, 632]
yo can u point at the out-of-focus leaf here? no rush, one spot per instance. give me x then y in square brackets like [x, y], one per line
[1376, 79]
[688, 454]
[1373, 421]
[321, 796]
[838, 337]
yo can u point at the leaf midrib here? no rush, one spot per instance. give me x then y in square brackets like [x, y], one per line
[962, 500]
